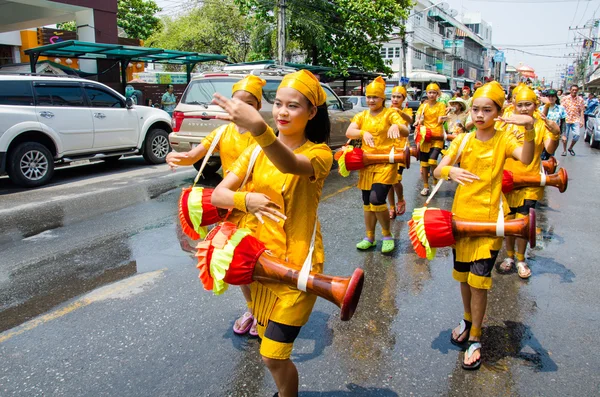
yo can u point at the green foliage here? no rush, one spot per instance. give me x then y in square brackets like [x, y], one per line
[70, 26]
[137, 18]
[336, 33]
[214, 27]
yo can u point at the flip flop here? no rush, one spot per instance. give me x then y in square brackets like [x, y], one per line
[564, 154]
[523, 270]
[465, 326]
[392, 213]
[571, 152]
[506, 265]
[469, 352]
[246, 323]
[253, 331]
[400, 207]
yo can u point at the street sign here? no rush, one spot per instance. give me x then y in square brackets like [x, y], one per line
[499, 56]
[587, 44]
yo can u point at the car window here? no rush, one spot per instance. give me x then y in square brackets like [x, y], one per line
[331, 100]
[16, 93]
[201, 92]
[363, 101]
[352, 100]
[102, 99]
[270, 90]
[55, 95]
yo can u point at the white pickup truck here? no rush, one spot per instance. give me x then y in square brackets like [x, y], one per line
[49, 121]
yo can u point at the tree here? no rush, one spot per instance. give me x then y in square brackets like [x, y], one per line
[336, 33]
[136, 17]
[214, 27]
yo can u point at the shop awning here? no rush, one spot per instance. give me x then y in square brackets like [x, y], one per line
[424, 76]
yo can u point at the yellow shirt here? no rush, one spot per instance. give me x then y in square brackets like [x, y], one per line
[517, 197]
[480, 200]
[298, 197]
[378, 126]
[403, 140]
[230, 146]
[454, 120]
[431, 115]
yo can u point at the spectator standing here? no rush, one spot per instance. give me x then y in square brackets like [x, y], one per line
[575, 107]
[559, 93]
[591, 105]
[168, 100]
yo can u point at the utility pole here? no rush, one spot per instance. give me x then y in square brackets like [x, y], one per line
[404, 45]
[281, 33]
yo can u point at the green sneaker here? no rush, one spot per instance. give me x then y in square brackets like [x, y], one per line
[365, 244]
[388, 245]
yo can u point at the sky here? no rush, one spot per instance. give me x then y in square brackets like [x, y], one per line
[536, 26]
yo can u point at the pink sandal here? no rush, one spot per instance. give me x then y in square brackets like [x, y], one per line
[400, 207]
[253, 331]
[246, 322]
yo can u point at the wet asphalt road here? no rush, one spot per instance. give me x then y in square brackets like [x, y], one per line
[99, 296]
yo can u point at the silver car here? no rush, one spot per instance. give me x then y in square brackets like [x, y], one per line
[194, 117]
[592, 132]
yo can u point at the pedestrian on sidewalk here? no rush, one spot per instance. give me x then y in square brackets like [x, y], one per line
[591, 106]
[398, 104]
[231, 143]
[520, 201]
[575, 107]
[479, 197]
[429, 115]
[379, 128]
[287, 178]
[168, 101]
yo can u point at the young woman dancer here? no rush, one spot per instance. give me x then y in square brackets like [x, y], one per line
[287, 179]
[430, 115]
[547, 134]
[479, 197]
[398, 97]
[379, 127]
[232, 143]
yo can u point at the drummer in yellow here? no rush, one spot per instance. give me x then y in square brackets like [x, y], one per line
[288, 179]
[398, 96]
[478, 197]
[430, 115]
[232, 143]
[547, 134]
[379, 127]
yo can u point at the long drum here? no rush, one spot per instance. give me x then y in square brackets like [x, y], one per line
[233, 256]
[512, 181]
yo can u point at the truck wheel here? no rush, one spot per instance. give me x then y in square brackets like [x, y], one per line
[156, 146]
[212, 166]
[30, 164]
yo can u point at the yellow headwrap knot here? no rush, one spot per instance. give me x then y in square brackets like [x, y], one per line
[252, 84]
[492, 90]
[307, 84]
[432, 87]
[399, 90]
[376, 88]
[525, 94]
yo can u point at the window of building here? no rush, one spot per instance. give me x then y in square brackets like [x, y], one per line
[417, 54]
[383, 52]
[55, 95]
[390, 52]
[102, 99]
[16, 93]
[441, 30]
[397, 52]
[431, 23]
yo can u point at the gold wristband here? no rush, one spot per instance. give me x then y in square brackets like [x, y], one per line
[529, 135]
[266, 138]
[445, 173]
[239, 201]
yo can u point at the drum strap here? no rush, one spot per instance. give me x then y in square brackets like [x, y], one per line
[210, 151]
[307, 266]
[391, 158]
[542, 174]
[439, 183]
[500, 220]
[253, 158]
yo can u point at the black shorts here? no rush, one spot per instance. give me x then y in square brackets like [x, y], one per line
[432, 154]
[377, 195]
[523, 209]
[400, 169]
[478, 273]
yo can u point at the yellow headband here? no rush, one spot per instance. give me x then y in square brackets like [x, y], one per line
[376, 88]
[492, 90]
[307, 84]
[433, 87]
[251, 84]
[526, 94]
[399, 90]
